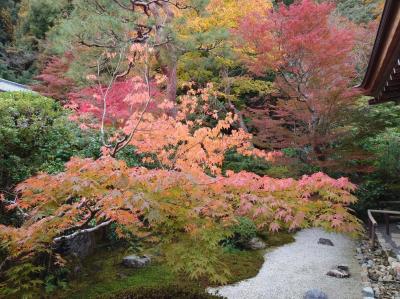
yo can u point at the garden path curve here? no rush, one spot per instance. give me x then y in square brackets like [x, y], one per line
[291, 270]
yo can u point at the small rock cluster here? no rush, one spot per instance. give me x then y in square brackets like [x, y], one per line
[380, 273]
[339, 271]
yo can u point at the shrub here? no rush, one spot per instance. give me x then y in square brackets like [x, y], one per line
[242, 233]
[36, 135]
[237, 162]
[22, 281]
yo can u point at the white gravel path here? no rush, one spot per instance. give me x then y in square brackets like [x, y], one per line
[291, 270]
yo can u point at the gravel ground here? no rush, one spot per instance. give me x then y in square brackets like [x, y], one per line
[291, 270]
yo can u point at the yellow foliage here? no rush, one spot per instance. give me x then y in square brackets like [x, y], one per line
[222, 14]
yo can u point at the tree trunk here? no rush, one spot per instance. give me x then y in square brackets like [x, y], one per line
[170, 72]
[169, 61]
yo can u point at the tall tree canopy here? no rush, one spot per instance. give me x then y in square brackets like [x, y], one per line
[311, 54]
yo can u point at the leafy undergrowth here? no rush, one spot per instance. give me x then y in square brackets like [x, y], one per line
[102, 275]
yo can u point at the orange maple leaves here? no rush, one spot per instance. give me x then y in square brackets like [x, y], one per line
[182, 139]
[145, 200]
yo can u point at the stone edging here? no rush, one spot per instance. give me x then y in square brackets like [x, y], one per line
[380, 272]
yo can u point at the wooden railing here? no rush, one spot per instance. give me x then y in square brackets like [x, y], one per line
[372, 224]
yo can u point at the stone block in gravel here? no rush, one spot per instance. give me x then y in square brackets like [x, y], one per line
[343, 267]
[324, 241]
[315, 294]
[338, 273]
[368, 292]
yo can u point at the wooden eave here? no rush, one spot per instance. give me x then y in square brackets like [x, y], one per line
[382, 78]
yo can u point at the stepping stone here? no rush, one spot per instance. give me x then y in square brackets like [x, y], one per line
[343, 267]
[327, 242]
[315, 294]
[368, 292]
[338, 273]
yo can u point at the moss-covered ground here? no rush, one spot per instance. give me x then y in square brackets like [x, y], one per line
[102, 275]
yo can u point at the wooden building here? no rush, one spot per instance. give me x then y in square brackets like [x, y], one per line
[382, 79]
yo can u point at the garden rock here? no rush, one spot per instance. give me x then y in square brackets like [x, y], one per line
[256, 244]
[315, 294]
[327, 242]
[136, 261]
[368, 292]
[343, 267]
[338, 273]
[81, 246]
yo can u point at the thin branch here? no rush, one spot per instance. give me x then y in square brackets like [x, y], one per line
[120, 145]
[126, 72]
[82, 231]
[104, 98]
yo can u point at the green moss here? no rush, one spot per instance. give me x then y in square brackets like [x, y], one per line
[243, 264]
[103, 273]
[277, 239]
[103, 276]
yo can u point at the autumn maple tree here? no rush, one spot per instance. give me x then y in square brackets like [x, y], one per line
[311, 52]
[53, 81]
[162, 205]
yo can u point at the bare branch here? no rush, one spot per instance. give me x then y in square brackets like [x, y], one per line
[127, 139]
[83, 231]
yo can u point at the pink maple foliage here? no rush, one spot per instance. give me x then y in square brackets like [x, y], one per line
[311, 51]
[122, 98]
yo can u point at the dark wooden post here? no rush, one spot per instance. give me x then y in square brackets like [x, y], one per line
[369, 228]
[373, 236]
[387, 223]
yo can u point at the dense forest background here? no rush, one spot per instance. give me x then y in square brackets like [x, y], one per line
[25, 25]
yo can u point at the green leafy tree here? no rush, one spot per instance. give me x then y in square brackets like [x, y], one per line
[37, 17]
[359, 11]
[370, 153]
